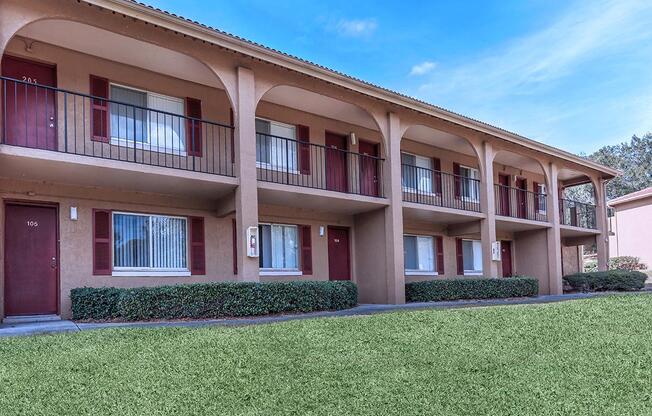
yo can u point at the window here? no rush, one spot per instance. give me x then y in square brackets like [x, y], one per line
[472, 256]
[279, 247]
[470, 183]
[157, 129]
[419, 254]
[275, 145]
[541, 197]
[417, 173]
[149, 243]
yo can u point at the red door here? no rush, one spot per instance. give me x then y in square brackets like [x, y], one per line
[521, 197]
[368, 168]
[30, 260]
[339, 264]
[506, 258]
[30, 111]
[336, 172]
[503, 180]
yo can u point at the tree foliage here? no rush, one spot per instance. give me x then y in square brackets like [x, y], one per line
[632, 158]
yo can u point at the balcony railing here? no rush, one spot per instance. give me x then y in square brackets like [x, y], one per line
[577, 214]
[520, 203]
[292, 162]
[433, 187]
[54, 119]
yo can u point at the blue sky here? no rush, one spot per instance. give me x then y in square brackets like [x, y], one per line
[573, 74]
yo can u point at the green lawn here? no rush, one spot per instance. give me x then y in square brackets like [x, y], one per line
[584, 357]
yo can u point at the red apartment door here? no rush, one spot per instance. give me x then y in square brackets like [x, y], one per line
[506, 258]
[339, 263]
[31, 112]
[336, 172]
[30, 260]
[521, 197]
[368, 169]
[503, 180]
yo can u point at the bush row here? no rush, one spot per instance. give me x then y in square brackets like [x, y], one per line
[620, 280]
[210, 300]
[470, 288]
[617, 263]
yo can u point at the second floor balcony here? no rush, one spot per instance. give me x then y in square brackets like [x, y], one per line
[441, 189]
[577, 214]
[133, 126]
[520, 203]
[328, 167]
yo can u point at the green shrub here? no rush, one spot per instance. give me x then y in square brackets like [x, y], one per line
[470, 288]
[211, 300]
[620, 280]
[617, 263]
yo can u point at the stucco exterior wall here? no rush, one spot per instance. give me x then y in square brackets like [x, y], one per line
[634, 230]
[531, 257]
[572, 259]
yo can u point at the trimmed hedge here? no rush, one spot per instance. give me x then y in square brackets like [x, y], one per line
[210, 300]
[470, 288]
[618, 280]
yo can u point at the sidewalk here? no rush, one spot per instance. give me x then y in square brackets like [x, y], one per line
[34, 328]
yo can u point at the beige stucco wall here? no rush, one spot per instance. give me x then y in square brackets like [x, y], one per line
[531, 257]
[572, 259]
[633, 231]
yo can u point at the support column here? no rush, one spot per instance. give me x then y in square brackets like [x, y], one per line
[602, 239]
[488, 204]
[394, 213]
[554, 234]
[246, 194]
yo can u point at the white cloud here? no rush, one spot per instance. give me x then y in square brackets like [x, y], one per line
[356, 27]
[423, 68]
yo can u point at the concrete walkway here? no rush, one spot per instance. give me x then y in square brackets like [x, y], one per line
[33, 328]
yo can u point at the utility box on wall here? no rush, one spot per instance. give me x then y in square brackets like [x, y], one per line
[252, 242]
[495, 251]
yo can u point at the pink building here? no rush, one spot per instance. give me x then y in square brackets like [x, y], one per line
[139, 148]
[631, 226]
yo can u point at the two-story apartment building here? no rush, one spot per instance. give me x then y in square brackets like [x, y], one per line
[139, 148]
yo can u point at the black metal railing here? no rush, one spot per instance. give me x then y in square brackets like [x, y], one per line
[520, 203]
[54, 119]
[293, 162]
[577, 214]
[433, 187]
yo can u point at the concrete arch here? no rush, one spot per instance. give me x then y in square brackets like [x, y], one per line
[522, 158]
[265, 87]
[406, 128]
[20, 23]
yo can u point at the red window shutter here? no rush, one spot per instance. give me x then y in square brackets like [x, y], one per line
[439, 250]
[460, 256]
[303, 137]
[101, 242]
[235, 247]
[197, 246]
[306, 249]
[99, 87]
[458, 180]
[232, 120]
[436, 180]
[193, 127]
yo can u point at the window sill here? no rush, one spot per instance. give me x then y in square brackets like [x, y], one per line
[148, 273]
[279, 169]
[420, 273]
[145, 147]
[281, 273]
[472, 273]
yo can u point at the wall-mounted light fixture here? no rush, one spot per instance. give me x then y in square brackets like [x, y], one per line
[354, 140]
[73, 213]
[321, 230]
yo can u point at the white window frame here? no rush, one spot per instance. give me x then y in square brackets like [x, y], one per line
[148, 271]
[271, 271]
[473, 272]
[129, 143]
[475, 181]
[542, 193]
[416, 272]
[283, 168]
[418, 189]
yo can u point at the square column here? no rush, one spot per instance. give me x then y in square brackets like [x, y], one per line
[246, 194]
[554, 234]
[602, 239]
[488, 204]
[394, 213]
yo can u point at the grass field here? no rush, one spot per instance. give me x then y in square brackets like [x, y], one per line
[588, 357]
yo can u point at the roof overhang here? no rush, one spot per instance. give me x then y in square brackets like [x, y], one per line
[215, 36]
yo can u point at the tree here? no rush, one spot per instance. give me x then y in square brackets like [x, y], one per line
[633, 159]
